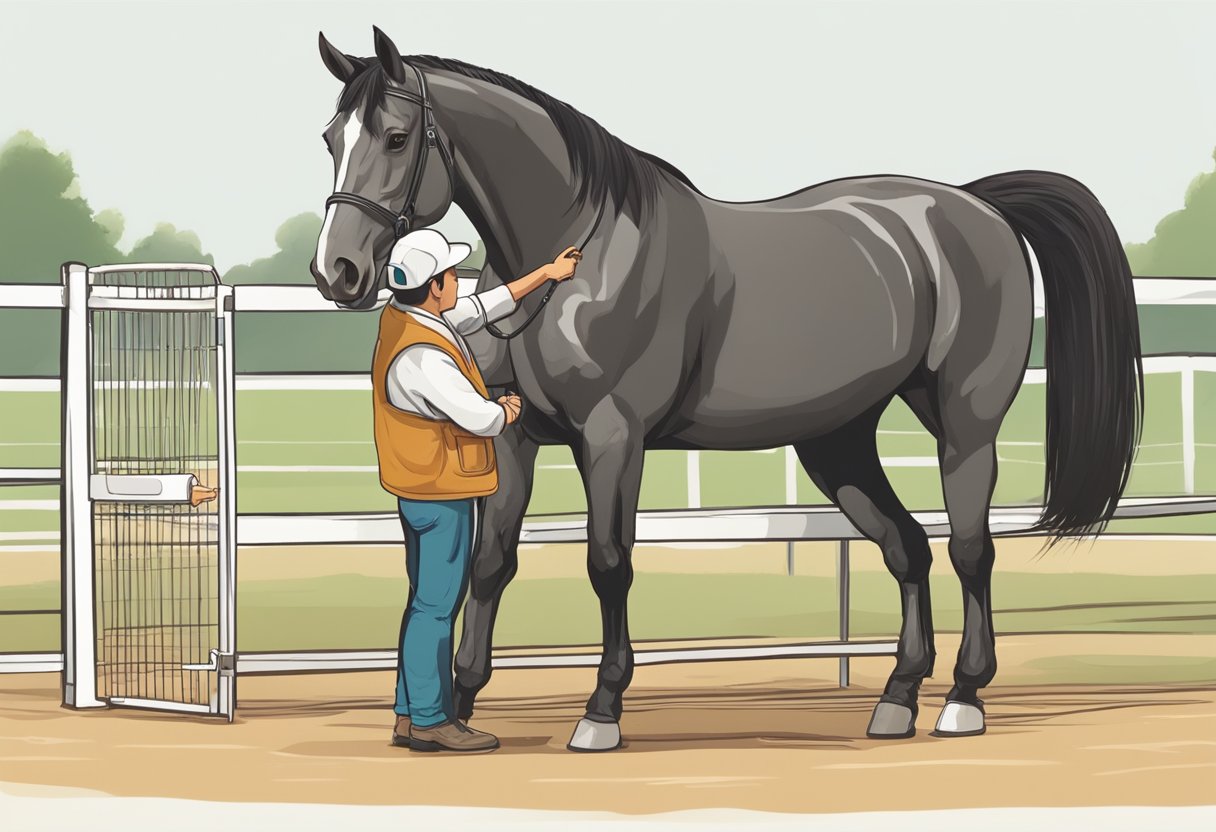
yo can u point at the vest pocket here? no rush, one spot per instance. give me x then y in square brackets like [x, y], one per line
[474, 454]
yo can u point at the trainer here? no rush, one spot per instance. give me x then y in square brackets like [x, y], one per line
[434, 429]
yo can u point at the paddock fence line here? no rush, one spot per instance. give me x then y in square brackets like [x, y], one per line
[789, 523]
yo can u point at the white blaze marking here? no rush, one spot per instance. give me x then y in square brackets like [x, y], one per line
[350, 136]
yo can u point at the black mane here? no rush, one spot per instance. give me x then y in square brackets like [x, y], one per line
[603, 165]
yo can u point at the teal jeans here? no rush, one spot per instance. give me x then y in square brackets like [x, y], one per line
[438, 548]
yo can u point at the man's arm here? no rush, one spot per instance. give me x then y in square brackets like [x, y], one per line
[428, 375]
[475, 311]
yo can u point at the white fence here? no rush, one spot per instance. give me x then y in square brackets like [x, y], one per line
[1186, 367]
[789, 523]
[1149, 292]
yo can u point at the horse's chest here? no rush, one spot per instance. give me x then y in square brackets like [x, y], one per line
[580, 356]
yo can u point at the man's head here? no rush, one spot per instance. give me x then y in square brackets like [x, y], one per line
[422, 269]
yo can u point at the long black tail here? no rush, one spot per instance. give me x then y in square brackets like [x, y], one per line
[1095, 379]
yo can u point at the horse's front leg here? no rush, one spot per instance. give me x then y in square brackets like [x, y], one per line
[610, 459]
[494, 563]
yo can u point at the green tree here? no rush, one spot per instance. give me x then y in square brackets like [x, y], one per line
[112, 221]
[297, 242]
[168, 245]
[1184, 242]
[43, 219]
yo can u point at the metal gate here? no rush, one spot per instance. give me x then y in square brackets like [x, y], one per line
[149, 476]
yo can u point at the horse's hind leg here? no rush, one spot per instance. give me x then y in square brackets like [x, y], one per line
[971, 416]
[845, 466]
[968, 460]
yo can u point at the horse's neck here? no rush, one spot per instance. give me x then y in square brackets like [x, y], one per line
[512, 174]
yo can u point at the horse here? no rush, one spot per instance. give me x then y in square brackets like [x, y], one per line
[694, 323]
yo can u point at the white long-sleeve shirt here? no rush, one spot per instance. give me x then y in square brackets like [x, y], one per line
[425, 381]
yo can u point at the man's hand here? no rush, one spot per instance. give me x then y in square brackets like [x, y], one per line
[511, 405]
[563, 267]
[560, 269]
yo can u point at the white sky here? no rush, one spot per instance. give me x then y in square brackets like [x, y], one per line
[208, 114]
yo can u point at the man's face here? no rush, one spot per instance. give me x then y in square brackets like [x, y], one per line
[450, 291]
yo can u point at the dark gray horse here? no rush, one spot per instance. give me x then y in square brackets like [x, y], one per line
[695, 323]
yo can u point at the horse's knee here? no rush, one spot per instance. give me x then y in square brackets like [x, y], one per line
[491, 573]
[972, 556]
[610, 569]
[906, 552]
[904, 545]
[495, 558]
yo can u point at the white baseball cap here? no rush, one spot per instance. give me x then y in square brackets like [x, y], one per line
[420, 255]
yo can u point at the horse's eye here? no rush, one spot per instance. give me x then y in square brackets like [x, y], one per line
[396, 142]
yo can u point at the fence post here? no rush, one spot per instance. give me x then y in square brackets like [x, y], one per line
[694, 479]
[1188, 428]
[842, 581]
[75, 512]
[791, 499]
[225, 378]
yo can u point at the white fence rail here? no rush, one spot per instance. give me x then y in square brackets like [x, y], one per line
[789, 523]
[1185, 366]
[739, 525]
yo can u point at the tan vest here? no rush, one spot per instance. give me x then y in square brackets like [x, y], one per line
[420, 458]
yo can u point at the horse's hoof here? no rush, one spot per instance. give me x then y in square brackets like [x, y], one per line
[891, 722]
[595, 736]
[960, 719]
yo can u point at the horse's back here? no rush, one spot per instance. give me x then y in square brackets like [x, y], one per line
[833, 296]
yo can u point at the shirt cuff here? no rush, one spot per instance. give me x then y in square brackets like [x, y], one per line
[498, 302]
[498, 424]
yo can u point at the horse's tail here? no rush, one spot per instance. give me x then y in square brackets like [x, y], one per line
[1095, 380]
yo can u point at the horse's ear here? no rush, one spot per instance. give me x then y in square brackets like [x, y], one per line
[343, 67]
[389, 55]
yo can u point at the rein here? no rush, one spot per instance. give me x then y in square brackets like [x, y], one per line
[507, 336]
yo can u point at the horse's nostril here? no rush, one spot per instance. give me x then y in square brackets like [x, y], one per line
[348, 274]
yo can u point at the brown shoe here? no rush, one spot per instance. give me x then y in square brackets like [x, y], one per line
[401, 732]
[451, 736]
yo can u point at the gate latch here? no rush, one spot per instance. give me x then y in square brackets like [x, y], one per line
[150, 488]
[222, 663]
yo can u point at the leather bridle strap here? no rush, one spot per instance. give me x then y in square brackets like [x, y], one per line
[398, 222]
[424, 147]
[402, 222]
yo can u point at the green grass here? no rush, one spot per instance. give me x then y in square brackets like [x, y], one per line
[30, 633]
[334, 428]
[308, 428]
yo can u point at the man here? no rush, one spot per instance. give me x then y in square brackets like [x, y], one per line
[434, 429]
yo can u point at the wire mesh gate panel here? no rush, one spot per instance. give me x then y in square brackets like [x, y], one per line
[160, 574]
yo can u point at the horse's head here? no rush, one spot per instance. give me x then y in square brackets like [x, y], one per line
[384, 169]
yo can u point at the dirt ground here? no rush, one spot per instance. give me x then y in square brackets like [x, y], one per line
[761, 735]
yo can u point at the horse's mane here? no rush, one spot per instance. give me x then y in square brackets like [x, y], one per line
[603, 165]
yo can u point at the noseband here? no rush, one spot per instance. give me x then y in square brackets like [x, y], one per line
[402, 222]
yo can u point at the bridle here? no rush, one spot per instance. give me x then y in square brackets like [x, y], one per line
[402, 222]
